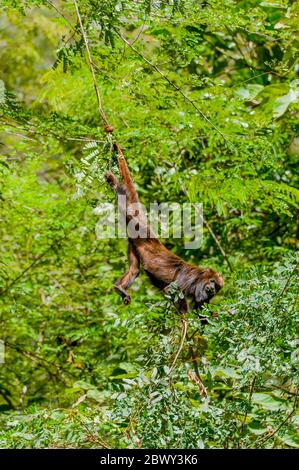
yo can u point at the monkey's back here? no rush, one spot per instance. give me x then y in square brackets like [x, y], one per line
[161, 265]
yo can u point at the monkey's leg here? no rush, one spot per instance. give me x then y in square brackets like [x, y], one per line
[125, 281]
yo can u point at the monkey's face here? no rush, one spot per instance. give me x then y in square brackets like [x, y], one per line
[208, 287]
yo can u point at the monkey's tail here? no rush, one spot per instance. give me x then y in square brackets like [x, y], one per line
[126, 176]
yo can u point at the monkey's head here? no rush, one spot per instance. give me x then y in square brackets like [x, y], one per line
[207, 287]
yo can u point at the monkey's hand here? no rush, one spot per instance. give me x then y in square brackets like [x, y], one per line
[111, 179]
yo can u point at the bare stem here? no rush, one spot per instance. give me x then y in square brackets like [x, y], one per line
[14, 281]
[184, 332]
[178, 89]
[251, 388]
[272, 433]
[213, 235]
[217, 243]
[91, 67]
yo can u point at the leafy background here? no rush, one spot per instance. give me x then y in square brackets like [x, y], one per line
[204, 98]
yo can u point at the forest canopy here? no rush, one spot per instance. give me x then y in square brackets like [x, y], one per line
[203, 98]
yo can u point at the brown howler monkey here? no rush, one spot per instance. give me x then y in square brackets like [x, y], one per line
[161, 265]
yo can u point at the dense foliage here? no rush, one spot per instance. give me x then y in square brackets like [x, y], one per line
[203, 97]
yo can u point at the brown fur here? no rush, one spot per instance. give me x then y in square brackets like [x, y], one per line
[161, 265]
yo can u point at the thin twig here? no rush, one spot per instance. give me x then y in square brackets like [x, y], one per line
[97, 91]
[16, 279]
[47, 364]
[269, 38]
[94, 438]
[49, 133]
[249, 401]
[217, 243]
[287, 282]
[60, 13]
[17, 134]
[178, 89]
[272, 433]
[44, 362]
[196, 378]
[5, 394]
[184, 332]
[90, 63]
[207, 225]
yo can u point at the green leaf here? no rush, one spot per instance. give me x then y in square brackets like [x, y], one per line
[289, 439]
[249, 92]
[268, 402]
[280, 105]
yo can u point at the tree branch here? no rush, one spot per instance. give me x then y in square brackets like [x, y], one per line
[272, 433]
[251, 388]
[184, 332]
[16, 279]
[178, 89]
[217, 243]
[90, 63]
[213, 235]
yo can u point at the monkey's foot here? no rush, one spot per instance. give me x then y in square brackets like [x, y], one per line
[127, 300]
[110, 178]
